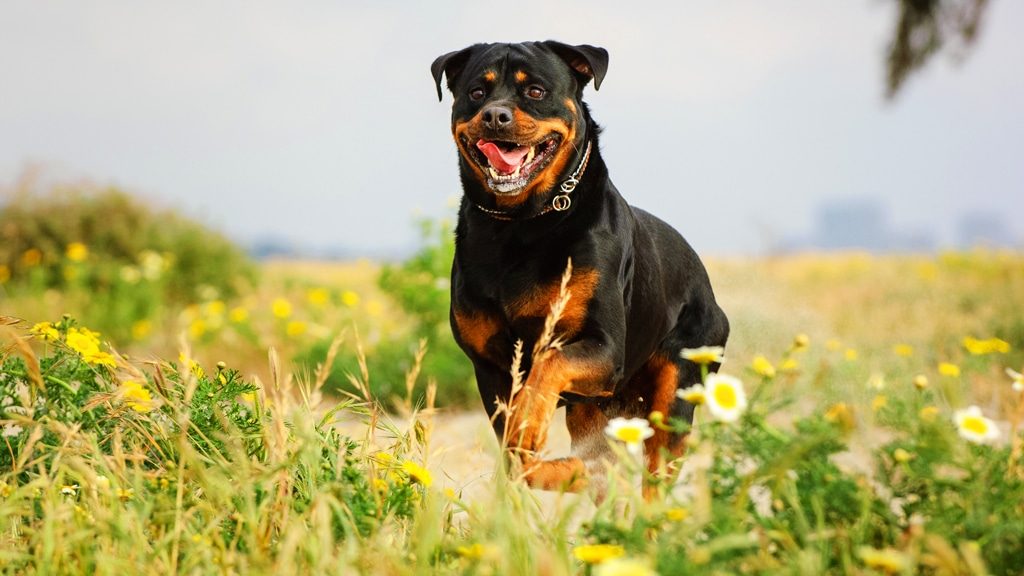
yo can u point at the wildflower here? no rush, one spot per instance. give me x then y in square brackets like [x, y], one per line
[239, 314]
[677, 514]
[928, 413]
[417, 473]
[350, 298]
[888, 560]
[704, 354]
[153, 264]
[840, 414]
[725, 397]
[125, 494]
[920, 381]
[762, 367]
[631, 431]
[135, 396]
[5, 273]
[31, 257]
[11, 430]
[192, 365]
[597, 553]
[987, 346]
[472, 552]
[450, 494]
[801, 341]
[69, 489]
[974, 427]
[197, 328]
[904, 350]
[318, 296]
[624, 567]
[87, 344]
[879, 402]
[281, 308]
[1018, 379]
[694, 394]
[130, 274]
[900, 455]
[295, 328]
[789, 365]
[141, 329]
[77, 252]
[46, 331]
[949, 369]
[876, 381]
[215, 308]
[850, 354]
[380, 486]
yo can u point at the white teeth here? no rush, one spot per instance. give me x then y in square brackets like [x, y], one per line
[530, 154]
[494, 173]
[516, 173]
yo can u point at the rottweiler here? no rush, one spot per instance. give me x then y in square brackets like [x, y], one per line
[536, 194]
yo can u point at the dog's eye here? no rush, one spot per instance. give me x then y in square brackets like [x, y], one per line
[476, 93]
[535, 92]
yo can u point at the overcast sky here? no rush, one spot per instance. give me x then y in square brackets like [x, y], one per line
[317, 122]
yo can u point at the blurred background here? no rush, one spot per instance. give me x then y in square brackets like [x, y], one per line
[256, 174]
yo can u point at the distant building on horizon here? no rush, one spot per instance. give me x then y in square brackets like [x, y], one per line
[984, 229]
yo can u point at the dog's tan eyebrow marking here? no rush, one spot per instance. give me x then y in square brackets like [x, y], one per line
[520, 76]
[490, 75]
[570, 105]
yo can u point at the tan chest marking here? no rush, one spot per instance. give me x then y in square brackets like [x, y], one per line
[537, 303]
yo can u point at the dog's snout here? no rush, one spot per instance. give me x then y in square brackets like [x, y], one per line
[497, 117]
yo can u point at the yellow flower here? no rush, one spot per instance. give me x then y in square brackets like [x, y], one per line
[833, 344]
[281, 308]
[624, 567]
[904, 350]
[5, 273]
[69, 489]
[888, 560]
[417, 473]
[840, 414]
[215, 308]
[630, 431]
[949, 369]
[988, 346]
[197, 328]
[850, 354]
[725, 397]
[192, 365]
[318, 296]
[239, 314]
[928, 413]
[597, 553]
[876, 381]
[694, 394]
[472, 552]
[879, 402]
[31, 257]
[295, 328]
[789, 365]
[920, 381]
[900, 455]
[77, 252]
[677, 514]
[762, 367]
[974, 427]
[46, 331]
[380, 486]
[801, 341]
[135, 396]
[125, 494]
[350, 298]
[704, 354]
[87, 344]
[141, 329]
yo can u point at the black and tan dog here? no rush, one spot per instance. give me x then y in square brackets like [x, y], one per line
[537, 193]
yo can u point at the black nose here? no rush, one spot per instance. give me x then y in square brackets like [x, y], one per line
[497, 117]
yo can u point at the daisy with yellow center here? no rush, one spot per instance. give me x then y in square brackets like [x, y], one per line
[762, 367]
[87, 344]
[704, 355]
[597, 553]
[46, 331]
[135, 396]
[725, 397]
[1018, 379]
[974, 427]
[417, 473]
[630, 431]
[694, 394]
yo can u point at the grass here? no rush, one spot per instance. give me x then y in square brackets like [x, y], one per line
[167, 464]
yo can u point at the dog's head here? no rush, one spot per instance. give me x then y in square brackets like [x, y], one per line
[518, 117]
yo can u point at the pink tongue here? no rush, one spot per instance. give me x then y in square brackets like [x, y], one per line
[502, 161]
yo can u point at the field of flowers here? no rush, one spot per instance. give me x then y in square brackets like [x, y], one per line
[867, 421]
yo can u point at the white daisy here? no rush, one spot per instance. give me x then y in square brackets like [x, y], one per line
[725, 397]
[694, 394]
[704, 354]
[1018, 379]
[974, 427]
[631, 431]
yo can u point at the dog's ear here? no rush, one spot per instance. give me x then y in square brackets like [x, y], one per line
[586, 60]
[450, 65]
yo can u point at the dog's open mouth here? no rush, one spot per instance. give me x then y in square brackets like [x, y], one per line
[509, 165]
